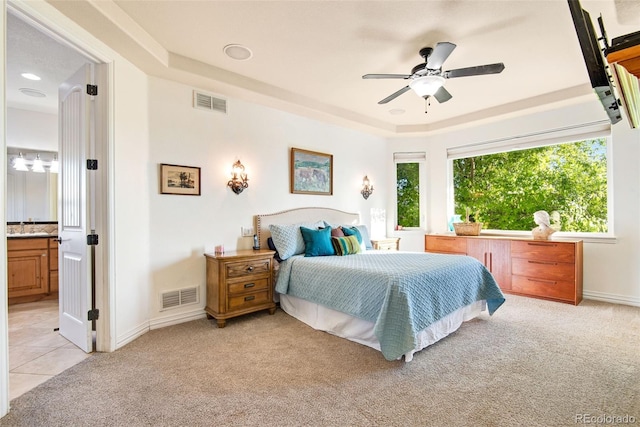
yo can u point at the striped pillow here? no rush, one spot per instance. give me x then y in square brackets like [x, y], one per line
[347, 245]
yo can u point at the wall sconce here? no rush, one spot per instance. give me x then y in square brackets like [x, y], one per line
[367, 188]
[40, 165]
[238, 181]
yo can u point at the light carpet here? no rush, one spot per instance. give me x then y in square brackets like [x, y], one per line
[533, 363]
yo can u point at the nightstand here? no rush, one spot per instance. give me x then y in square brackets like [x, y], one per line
[387, 244]
[238, 283]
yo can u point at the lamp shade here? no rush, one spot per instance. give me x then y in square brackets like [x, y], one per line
[426, 85]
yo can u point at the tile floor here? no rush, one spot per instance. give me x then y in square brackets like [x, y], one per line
[36, 351]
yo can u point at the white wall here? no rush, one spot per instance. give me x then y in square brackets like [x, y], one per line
[182, 228]
[32, 130]
[611, 270]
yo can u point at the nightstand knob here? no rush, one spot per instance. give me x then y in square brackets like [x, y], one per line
[250, 269]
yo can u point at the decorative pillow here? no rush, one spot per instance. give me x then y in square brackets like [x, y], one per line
[337, 232]
[288, 239]
[317, 242]
[364, 232]
[273, 248]
[347, 245]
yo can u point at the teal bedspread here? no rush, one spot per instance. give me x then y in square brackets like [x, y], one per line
[400, 292]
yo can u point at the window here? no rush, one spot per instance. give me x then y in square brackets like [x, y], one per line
[410, 195]
[503, 189]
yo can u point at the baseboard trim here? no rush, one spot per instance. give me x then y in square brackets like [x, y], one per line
[132, 335]
[612, 298]
[188, 316]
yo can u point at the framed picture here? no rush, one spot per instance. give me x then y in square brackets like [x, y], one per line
[175, 179]
[311, 172]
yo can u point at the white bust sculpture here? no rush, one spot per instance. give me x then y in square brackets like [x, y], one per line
[543, 230]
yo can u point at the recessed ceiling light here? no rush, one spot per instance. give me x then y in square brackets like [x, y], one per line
[237, 52]
[30, 76]
[32, 92]
[396, 111]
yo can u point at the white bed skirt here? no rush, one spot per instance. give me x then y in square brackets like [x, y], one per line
[361, 331]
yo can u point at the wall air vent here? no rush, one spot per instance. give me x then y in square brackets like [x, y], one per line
[205, 101]
[180, 297]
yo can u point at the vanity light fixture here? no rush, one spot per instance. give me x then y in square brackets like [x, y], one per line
[55, 166]
[238, 181]
[37, 165]
[19, 163]
[367, 188]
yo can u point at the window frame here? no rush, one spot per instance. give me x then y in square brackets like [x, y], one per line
[421, 159]
[595, 130]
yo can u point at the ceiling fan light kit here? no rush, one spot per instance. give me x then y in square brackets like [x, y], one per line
[426, 85]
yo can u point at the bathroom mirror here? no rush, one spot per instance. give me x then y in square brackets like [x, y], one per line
[31, 195]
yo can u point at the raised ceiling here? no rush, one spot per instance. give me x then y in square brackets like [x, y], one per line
[309, 56]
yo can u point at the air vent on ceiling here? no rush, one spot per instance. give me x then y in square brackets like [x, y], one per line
[180, 297]
[205, 101]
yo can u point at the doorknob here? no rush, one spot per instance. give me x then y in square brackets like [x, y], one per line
[60, 240]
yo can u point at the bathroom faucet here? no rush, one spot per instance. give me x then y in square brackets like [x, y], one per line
[21, 227]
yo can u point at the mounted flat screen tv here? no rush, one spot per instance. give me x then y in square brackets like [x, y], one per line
[594, 60]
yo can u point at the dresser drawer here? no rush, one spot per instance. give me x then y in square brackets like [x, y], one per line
[557, 289]
[547, 270]
[248, 286]
[446, 244]
[543, 251]
[248, 268]
[241, 302]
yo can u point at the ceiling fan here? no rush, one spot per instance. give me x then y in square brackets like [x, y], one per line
[427, 78]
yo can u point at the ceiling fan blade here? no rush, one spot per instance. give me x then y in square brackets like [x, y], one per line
[386, 76]
[474, 71]
[442, 95]
[440, 53]
[394, 95]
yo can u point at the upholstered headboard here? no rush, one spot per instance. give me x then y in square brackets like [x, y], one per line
[292, 216]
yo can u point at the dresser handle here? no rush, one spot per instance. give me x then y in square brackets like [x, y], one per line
[550, 282]
[543, 262]
[249, 285]
[250, 269]
[250, 298]
[542, 244]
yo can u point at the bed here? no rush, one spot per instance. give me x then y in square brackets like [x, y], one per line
[395, 302]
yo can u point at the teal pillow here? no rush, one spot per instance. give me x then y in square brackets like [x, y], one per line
[317, 242]
[352, 231]
[347, 245]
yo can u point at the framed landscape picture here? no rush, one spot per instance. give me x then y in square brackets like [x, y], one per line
[311, 172]
[175, 179]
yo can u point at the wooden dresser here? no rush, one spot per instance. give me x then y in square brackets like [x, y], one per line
[238, 283]
[549, 269]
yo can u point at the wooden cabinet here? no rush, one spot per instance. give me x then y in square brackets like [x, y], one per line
[387, 244]
[543, 269]
[547, 269]
[239, 283]
[53, 265]
[495, 255]
[27, 267]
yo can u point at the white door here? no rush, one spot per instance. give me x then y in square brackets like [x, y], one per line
[74, 209]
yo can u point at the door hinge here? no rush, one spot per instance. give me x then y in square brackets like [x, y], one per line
[93, 314]
[92, 239]
[92, 90]
[92, 164]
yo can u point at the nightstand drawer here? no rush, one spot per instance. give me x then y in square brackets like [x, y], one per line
[544, 251]
[248, 267]
[545, 288]
[248, 286]
[547, 270]
[249, 300]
